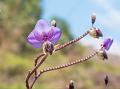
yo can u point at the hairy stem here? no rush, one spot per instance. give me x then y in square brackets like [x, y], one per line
[72, 41]
[67, 64]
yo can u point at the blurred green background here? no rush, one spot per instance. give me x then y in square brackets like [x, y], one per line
[17, 19]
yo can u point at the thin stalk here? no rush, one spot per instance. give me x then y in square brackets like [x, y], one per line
[71, 42]
[28, 85]
[67, 64]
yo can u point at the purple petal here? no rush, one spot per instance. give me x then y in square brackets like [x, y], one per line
[55, 34]
[32, 40]
[41, 30]
[39, 36]
[41, 26]
[107, 43]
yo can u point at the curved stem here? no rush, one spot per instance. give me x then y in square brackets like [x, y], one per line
[71, 42]
[34, 70]
[67, 64]
[36, 61]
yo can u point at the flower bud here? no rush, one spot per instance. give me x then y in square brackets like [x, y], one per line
[93, 18]
[102, 54]
[48, 47]
[71, 84]
[53, 23]
[106, 80]
[95, 32]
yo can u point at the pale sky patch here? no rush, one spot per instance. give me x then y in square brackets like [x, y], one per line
[111, 17]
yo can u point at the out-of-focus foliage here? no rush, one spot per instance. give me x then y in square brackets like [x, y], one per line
[17, 18]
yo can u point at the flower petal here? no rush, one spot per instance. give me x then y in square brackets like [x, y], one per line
[41, 30]
[39, 36]
[55, 34]
[41, 26]
[107, 43]
[32, 40]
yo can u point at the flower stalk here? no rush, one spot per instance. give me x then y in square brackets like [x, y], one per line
[69, 64]
[34, 70]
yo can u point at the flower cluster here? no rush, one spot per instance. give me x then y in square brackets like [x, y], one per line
[46, 35]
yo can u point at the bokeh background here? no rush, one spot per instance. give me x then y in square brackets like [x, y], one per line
[18, 18]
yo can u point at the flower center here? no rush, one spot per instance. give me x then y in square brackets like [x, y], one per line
[45, 37]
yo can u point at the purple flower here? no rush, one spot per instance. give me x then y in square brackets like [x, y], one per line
[42, 33]
[107, 43]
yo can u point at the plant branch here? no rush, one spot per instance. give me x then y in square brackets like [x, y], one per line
[36, 61]
[28, 85]
[67, 64]
[72, 41]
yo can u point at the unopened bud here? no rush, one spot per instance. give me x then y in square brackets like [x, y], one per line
[53, 23]
[95, 32]
[48, 47]
[106, 80]
[93, 18]
[71, 84]
[102, 54]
